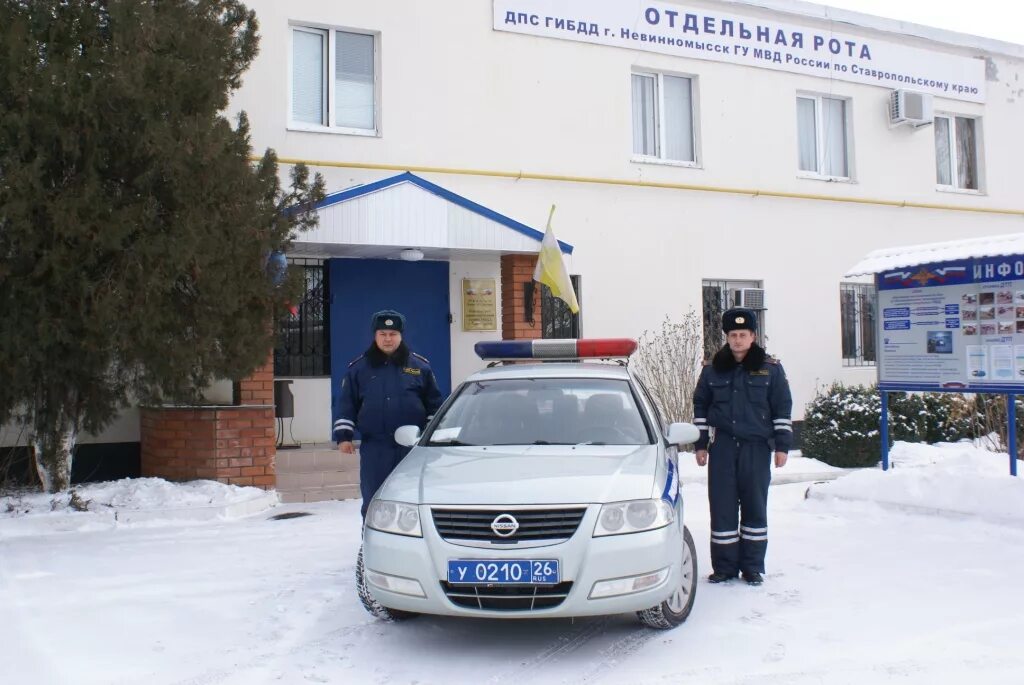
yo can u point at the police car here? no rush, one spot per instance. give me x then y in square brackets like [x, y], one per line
[539, 490]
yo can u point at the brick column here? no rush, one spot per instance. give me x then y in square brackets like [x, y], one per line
[516, 271]
[231, 444]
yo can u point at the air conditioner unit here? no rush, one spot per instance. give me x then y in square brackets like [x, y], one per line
[908, 107]
[751, 298]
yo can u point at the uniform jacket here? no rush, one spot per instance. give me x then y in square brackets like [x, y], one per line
[380, 393]
[749, 400]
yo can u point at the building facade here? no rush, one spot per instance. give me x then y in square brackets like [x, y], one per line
[700, 155]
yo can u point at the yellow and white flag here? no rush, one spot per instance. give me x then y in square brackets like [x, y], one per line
[551, 269]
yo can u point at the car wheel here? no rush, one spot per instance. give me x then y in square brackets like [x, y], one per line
[370, 602]
[676, 608]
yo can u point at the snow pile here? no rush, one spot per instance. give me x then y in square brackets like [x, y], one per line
[797, 468]
[153, 501]
[131, 494]
[958, 479]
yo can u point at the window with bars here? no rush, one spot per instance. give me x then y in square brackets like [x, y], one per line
[718, 296]
[857, 302]
[303, 338]
[556, 319]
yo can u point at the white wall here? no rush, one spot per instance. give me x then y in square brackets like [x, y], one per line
[464, 360]
[312, 420]
[457, 94]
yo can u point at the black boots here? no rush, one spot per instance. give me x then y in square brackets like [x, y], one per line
[751, 577]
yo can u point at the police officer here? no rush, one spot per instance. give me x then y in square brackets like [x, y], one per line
[386, 387]
[743, 395]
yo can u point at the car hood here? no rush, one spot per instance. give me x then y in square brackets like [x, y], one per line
[537, 474]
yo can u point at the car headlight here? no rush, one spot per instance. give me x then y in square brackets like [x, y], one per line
[394, 517]
[620, 518]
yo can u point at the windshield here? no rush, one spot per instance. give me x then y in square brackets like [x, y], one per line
[542, 411]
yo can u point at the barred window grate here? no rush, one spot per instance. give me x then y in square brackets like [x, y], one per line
[857, 305]
[717, 297]
[303, 340]
[557, 320]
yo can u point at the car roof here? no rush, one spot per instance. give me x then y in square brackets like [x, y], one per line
[553, 370]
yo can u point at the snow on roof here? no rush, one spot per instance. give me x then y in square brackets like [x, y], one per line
[887, 258]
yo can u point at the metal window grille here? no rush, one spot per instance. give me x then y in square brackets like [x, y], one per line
[303, 339]
[718, 296]
[556, 319]
[857, 304]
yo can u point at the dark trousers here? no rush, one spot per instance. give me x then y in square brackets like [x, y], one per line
[738, 477]
[377, 459]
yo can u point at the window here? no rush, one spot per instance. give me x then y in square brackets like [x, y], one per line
[956, 152]
[543, 411]
[857, 311]
[821, 124]
[663, 117]
[334, 80]
[719, 296]
[303, 341]
[556, 319]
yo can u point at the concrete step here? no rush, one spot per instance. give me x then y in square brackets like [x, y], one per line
[304, 480]
[319, 494]
[304, 461]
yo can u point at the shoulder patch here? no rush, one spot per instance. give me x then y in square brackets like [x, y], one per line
[356, 359]
[771, 360]
[421, 358]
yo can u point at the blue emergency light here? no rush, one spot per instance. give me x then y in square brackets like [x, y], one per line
[556, 348]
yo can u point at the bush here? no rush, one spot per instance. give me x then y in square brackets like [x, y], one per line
[842, 423]
[841, 426]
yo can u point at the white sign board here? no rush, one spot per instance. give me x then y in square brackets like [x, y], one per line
[726, 36]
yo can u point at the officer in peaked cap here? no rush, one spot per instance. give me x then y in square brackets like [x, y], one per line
[742, 405]
[386, 387]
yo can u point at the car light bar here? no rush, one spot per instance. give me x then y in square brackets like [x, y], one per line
[594, 348]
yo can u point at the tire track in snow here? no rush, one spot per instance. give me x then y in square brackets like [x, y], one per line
[617, 652]
[566, 645]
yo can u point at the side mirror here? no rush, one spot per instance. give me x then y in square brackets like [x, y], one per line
[407, 436]
[682, 434]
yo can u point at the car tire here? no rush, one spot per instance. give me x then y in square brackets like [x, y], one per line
[676, 608]
[370, 602]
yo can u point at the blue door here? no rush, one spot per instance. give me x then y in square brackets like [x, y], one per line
[419, 290]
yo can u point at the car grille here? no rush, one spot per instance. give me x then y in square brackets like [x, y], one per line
[507, 597]
[534, 524]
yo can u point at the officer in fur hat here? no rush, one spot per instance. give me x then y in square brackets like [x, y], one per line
[742, 396]
[386, 387]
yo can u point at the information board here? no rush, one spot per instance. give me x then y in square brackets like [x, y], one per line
[953, 326]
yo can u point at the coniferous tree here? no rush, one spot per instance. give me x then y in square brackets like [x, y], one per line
[134, 226]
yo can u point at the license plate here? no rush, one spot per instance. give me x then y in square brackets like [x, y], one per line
[504, 571]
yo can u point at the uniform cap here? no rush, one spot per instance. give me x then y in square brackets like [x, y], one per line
[739, 318]
[387, 320]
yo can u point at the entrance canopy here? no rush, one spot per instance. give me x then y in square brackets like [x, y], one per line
[381, 219]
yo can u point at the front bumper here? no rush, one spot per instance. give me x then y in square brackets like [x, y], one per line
[584, 560]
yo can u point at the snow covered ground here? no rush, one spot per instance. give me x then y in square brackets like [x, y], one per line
[910, 576]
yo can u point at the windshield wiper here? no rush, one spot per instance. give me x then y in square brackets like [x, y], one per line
[452, 443]
[590, 442]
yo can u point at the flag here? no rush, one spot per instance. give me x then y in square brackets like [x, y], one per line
[551, 269]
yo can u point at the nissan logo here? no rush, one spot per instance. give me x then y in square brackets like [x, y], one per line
[505, 525]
